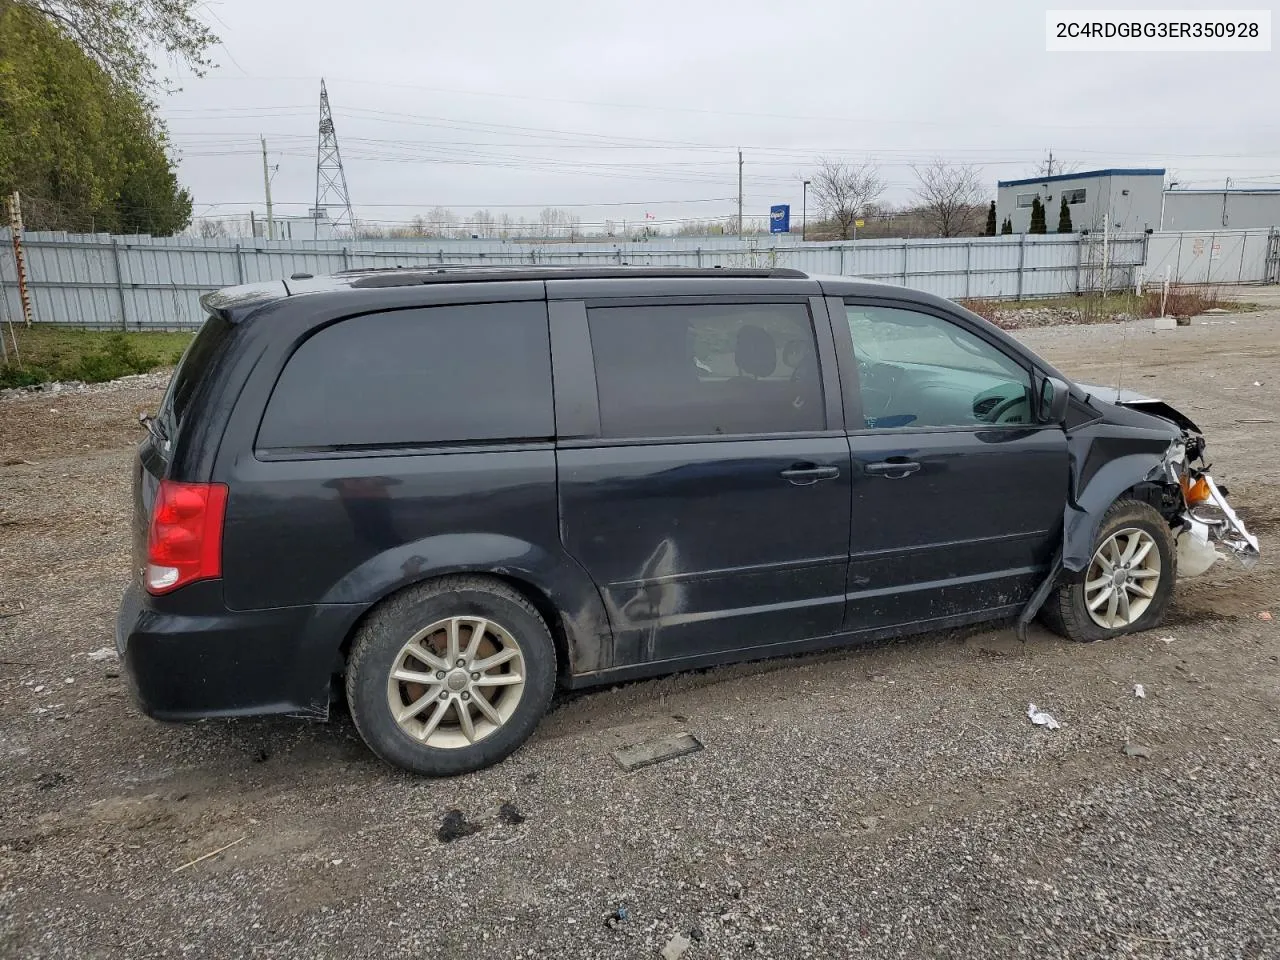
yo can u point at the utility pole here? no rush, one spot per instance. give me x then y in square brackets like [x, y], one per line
[1050, 165]
[739, 193]
[266, 185]
[804, 209]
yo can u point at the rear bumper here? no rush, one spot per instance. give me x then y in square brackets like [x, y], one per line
[223, 663]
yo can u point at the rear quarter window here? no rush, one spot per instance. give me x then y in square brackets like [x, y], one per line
[434, 375]
[196, 362]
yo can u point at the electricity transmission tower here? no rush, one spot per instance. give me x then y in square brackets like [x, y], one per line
[331, 179]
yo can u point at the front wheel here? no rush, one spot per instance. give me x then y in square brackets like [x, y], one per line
[451, 676]
[1128, 583]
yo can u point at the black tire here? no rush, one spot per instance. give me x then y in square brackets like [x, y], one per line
[1066, 612]
[390, 626]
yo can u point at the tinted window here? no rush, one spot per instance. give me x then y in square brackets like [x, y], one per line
[195, 363]
[918, 370]
[433, 375]
[682, 371]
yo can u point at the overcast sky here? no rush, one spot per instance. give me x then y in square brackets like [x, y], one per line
[622, 109]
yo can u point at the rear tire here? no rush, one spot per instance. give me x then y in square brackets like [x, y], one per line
[1128, 583]
[451, 676]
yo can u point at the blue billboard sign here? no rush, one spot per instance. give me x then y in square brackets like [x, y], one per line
[780, 218]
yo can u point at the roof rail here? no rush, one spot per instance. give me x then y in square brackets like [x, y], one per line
[469, 273]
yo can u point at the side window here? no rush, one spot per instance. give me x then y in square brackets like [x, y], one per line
[457, 374]
[704, 370]
[918, 370]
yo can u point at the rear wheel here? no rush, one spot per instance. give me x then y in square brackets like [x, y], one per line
[451, 676]
[1128, 583]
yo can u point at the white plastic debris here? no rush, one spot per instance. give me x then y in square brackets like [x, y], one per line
[1167, 639]
[1140, 691]
[675, 947]
[1040, 718]
[105, 653]
[1257, 383]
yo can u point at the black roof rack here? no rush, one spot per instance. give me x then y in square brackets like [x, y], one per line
[408, 276]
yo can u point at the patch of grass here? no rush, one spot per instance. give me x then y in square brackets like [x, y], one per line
[48, 352]
[1188, 300]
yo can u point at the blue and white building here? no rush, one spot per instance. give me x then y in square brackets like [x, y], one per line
[1128, 198]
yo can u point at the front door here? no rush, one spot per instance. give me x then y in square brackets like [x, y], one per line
[712, 509]
[958, 490]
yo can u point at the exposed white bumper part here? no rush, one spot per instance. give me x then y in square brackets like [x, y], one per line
[1208, 526]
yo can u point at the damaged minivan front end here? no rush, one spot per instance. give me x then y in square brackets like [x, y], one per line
[1125, 446]
[1206, 526]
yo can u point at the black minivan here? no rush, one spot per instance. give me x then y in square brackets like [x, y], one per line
[453, 491]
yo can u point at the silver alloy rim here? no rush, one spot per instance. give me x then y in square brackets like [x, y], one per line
[1122, 579]
[456, 682]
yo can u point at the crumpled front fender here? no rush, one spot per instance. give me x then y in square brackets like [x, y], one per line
[1098, 478]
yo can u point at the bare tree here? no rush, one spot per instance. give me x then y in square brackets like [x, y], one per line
[483, 224]
[368, 230]
[843, 190]
[208, 229]
[950, 197]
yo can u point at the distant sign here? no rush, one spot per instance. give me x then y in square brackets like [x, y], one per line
[859, 223]
[780, 218]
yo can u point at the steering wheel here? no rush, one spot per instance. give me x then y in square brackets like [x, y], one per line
[1004, 407]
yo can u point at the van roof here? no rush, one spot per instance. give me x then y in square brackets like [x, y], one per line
[495, 273]
[536, 281]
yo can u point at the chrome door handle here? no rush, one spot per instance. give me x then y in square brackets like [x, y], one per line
[803, 475]
[893, 469]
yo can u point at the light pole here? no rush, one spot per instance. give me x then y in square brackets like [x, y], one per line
[804, 209]
[1163, 194]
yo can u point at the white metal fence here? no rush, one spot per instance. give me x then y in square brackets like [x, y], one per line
[1207, 256]
[141, 282]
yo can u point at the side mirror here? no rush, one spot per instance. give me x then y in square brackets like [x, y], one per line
[1054, 395]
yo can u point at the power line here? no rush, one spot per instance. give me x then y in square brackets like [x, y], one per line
[496, 206]
[967, 122]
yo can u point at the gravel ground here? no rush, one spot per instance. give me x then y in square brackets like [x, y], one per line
[891, 801]
[1012, 317]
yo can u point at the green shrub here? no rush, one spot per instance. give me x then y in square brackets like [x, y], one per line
[49, 353]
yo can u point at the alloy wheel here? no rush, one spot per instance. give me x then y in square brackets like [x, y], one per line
[456, 681]
[1122, 578]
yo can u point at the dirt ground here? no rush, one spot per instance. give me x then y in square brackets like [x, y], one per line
[891, 801]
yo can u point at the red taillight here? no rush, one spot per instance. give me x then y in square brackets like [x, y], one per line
[185, 541]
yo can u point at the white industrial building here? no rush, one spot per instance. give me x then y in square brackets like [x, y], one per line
[297, 228]
[1129, 198]
[1227, 209]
